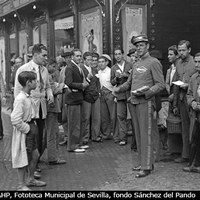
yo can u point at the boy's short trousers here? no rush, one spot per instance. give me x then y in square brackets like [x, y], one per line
[31, 141]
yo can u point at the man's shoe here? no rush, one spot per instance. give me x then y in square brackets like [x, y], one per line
[181, 160]
[36, 183]
[195, 169]
[79, 151]
[142, 173]
[23, 188]
[122, 143]
[37, 175]
[84, 147]
[98, 139]
[57, 162]
[137, 168]
[63, 142]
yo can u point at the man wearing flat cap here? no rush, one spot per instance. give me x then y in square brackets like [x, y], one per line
[146, 80]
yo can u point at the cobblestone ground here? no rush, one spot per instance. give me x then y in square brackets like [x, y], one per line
[105, 166]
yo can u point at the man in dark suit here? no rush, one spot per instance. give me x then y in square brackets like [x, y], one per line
[75, 80]
[119, 75]
[91, 103]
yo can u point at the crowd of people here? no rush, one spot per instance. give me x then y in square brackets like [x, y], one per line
[95, 101]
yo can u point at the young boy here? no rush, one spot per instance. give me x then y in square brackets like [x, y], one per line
[24, 145]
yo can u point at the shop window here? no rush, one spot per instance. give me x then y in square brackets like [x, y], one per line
[134, 22]
[64, 34]
[91, 30]
[13, 49]
[40, 34]
[23, 45]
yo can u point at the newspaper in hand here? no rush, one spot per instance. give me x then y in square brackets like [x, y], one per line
[140, 90]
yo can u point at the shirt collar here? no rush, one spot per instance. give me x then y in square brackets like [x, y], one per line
[145, 56]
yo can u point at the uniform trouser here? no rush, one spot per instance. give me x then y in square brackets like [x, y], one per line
[52, 136]
[1, 124]
[142, 115]
[40, 124]
[108, 116]
[91, 113]
[122, 119]
[184, 112]
[74, 113]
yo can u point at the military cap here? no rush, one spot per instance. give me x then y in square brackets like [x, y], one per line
[131, 51]
[139, 38]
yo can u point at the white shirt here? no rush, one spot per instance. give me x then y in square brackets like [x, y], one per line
[172, 73]
[104, 78]
[121, 66]
[88, 68]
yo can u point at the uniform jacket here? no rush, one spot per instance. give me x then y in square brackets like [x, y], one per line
[91, 93]
[74, 79]
[119, 81]
[39, 96]
[146, 72]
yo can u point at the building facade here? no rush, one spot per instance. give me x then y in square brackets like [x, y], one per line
[63, 24]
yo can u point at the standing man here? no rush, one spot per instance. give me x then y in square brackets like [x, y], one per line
[42, 93]
[146, 80]
[75, 80]
[185, 68]
[108, 106]
[119, 75]
[91, 102]
[193, 99]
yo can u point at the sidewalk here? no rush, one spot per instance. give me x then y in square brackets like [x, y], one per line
[105, 166]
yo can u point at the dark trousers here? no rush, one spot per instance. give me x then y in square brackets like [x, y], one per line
[184, 112]
[74, 114]
[1, 124]
[194, 158]
[40, 124]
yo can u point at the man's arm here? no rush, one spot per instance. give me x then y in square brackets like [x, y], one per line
[18, 86]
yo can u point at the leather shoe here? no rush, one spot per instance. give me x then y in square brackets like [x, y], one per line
[191, 169]
[181, 160]
[63, 142]
[36, 183]
[142, 173]
[122, 143]
[37, 175]
[84, 147]
[137, 168]
[79, 151]
[98, 139]
[57, 162]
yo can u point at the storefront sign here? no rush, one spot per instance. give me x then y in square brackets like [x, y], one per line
[65, 23]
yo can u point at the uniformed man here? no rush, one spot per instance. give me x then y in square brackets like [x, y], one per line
[146, 80]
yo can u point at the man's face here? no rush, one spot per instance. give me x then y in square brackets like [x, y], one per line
[67, 59]
[102, 63]
[77, 57]
[18, 62]
[183, 51]
[133, 57]
[118, 55]
[142, 48]
[41, 58]
[88, 61]
[197, 63]
[94, 62]
[52, 68]
[171, 56]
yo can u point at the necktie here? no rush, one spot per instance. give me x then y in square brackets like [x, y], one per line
[41, 80]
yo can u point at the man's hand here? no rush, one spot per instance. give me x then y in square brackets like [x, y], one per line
[118, 74]
[3, 100]
[171, 97]
[184, 86]
[194, 105]
[85, 84]
[50, 98]
[175, 111]
[116, 90]
[89, 76]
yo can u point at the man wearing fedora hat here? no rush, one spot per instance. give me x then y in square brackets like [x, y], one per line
[146, 80]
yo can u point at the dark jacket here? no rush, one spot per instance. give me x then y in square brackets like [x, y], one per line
[74, 80]
[91, 93]
[115, 81]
